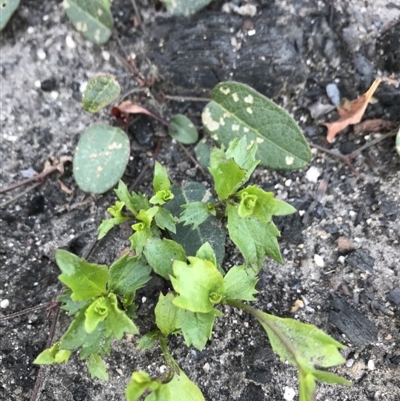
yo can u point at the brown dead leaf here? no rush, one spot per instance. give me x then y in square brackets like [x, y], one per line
[127, 107]
[375, 125]
[351, 112]
[64, 188]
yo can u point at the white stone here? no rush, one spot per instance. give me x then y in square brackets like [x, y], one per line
[319, 261]
[4, 303]
[207, 367]
[41, 54]
[371, 365]
[289, 394]
[106, 55]
[70, 42]
[313, 174]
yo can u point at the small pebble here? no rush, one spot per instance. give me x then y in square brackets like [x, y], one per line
[82, 87]
[70, 42]
[288, 183]
[333, 93]
[5, 303]
[30, 30]
[41, 54]
[319, 261]
[344, 245]
[371, 365]
[106, 55]
[54, 95]
[162, 369]
[313, 174]
[144, 299]
[207, 367]
[350, 363]
[37, 84]
[289, 394]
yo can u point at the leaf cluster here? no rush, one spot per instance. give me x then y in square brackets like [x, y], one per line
[102, 298]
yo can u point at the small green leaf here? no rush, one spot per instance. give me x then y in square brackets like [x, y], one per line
[180, 388]
[185, 7]
[148, 340]
[100, 158]
[197, 327]
[117, 321]
[68, 305]
[160, 255]
[140, 382]
[254, 238]
[76, 336]
[7, 8]
[203, 153]
[311, 344]
[199, 285]
[227, 175]
[166, 314]
[52, 355]
[160, 180]
[183, 130]
[265, 204]
[92, 18]
[240, 284]
[133, 201]
[100, 91]
[165, 220]
[97, 367]
[205, 252]
[86, 280]
[109, 224]
[96, 313]
[128, 274]
[236, 110]
[196, 213]
[211, 230]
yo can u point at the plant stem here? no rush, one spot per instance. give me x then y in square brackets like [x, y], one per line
[173, 367]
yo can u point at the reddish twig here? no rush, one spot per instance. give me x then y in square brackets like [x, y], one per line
[39, 177]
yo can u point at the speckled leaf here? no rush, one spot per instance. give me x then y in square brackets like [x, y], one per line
[183, 130]
[185, 7]
[236, 110]
[92, 18]
[398, 142]
[100, 158]
[210, 230]
[100, 92]
[7, 8]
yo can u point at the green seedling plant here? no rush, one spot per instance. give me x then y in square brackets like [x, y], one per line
[101, 299]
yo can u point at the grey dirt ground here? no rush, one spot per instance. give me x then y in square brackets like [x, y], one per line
[351, 294]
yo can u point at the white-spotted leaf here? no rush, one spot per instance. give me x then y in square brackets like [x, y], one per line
[92, 18]
[100, 92]
[100, 158]
[7, 8]
[183, 130]
[236, 110]
[185, 7]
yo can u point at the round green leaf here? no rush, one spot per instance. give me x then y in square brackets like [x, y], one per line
[236, 110]
[183, 130]
[185, 7]
[100, 158]
[7, 8]
[92, 18]
[100, 92]
[398, 142]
